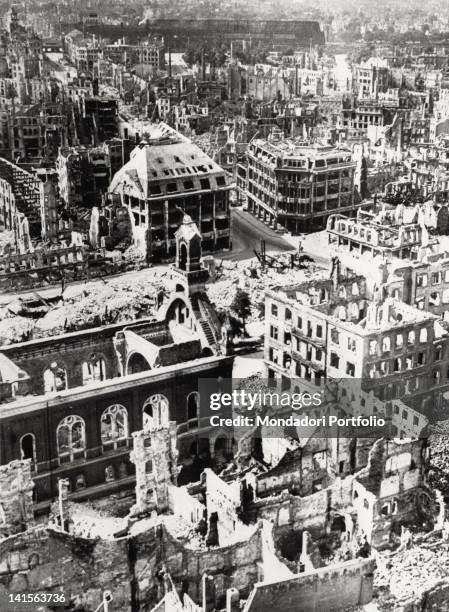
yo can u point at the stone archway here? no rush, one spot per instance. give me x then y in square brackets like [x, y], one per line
[178, 311]
[137, 363]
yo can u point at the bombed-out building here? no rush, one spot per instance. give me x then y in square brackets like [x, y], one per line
[70, 402]
[340, 328]
[168, 176]
[247, 536]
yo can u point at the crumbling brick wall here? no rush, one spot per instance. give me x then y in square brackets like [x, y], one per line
[318, 590]
[231, 566]
[42, 560]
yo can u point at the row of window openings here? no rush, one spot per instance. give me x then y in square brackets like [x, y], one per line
[383, 369]
[111, 473]
[376, 370]
[435, 299]
[274, 356]
[114, 428]
[435, 278]
[300, 347]
[173, 187]
[342, 293]
[387, 509]
[399, 342]
[335, 336]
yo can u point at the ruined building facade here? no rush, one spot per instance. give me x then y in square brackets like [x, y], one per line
[82, 394]
[338, 328]
[165, 176]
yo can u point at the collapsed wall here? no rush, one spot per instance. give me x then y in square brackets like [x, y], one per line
[48, 561]
[43, 560]
[235, 566]
[16, 497]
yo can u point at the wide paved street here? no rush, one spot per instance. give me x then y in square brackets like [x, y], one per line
[247, 231]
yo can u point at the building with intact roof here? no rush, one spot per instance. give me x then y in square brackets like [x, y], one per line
[298, 184]
[166, 177]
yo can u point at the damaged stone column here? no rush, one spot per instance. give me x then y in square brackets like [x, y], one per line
[440, 520]
[16, 497]
[63, 502]
[304, 558]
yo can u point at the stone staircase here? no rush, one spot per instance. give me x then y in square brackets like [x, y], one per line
[207, 319]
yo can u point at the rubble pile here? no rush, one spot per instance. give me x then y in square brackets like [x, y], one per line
[15, 329]
[185, 532]
[407, 574]
[92, 304]
[87, 522]
[249, 276]
[125, 299]
[439, 457]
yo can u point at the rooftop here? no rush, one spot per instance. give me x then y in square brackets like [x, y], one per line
[344, 305]
[298, 148]
[164, 155]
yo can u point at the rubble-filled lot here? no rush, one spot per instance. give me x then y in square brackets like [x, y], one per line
[249, 276]
[87, 305]
[103, 302]
[407, 575]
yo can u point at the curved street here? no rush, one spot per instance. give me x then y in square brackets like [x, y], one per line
[246, 232]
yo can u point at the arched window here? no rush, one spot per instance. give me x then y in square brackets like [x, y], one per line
[28, 448]
[71, 438]
[80, 482]
[55, 378]
[114, 426]
[93, 370]
[193, 409]
[155, 412]
[183, 257]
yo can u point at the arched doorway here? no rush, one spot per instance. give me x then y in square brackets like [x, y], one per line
[183, 256]
[179, 312]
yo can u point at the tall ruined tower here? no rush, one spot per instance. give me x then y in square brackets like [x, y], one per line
[154, 455]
